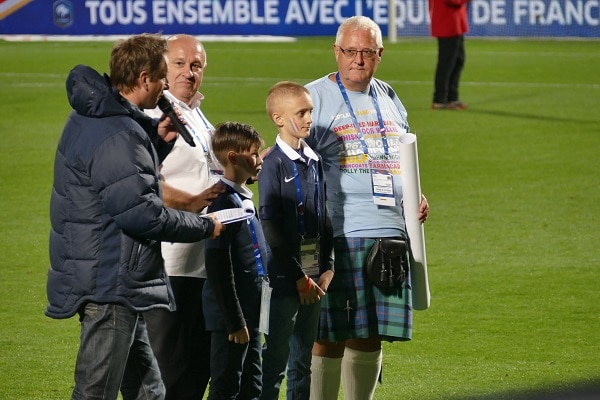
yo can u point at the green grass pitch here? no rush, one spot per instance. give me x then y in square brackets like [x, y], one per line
[512, 239]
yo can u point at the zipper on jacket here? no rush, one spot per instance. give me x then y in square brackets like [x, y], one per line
[134, 261]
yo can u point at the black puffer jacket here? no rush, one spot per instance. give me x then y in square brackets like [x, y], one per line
[106, 210]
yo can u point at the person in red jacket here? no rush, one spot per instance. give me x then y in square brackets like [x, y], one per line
[449, 25]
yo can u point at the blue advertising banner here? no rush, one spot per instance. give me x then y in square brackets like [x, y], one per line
[547, 18]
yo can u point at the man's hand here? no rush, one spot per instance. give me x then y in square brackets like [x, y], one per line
[182, 200]
[166, 129]
[219, 227]
[204, 199]
[325, 280]
[423, 210]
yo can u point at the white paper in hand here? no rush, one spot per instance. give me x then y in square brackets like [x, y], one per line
[229, 215]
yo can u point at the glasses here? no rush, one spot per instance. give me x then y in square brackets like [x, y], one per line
[366, 53]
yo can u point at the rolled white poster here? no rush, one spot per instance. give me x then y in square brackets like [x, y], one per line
[411, 192]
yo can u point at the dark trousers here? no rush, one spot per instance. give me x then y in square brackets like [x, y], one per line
[180, 341]
[451, 60]
[236, 368]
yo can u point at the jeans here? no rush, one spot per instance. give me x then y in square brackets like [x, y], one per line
[114, 353]
[180, 341]
[451, 60]
[235, 368]
[292, 332]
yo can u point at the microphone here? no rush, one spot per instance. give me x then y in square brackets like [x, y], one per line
[165, 105]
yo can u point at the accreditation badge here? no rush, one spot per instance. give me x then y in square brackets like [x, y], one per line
[309, 256]
[382, 182]
[265, 302]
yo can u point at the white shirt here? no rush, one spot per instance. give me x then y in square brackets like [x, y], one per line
[190, 169]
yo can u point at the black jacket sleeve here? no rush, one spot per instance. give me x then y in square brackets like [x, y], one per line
[219, 271]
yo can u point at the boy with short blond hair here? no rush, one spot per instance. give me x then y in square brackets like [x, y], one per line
[292, 211]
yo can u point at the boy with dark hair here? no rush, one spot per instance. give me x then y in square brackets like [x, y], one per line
[236, 266]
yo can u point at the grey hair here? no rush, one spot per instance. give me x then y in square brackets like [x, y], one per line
[358, 23]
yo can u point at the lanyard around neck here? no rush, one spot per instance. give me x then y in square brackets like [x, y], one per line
[355, 120]
[201, 139]
[209, 128]
[300, 206]
[255, 245]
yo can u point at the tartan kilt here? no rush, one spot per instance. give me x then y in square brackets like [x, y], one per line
[354, 308]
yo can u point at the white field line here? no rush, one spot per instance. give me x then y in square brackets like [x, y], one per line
[17, 79]
[547, 85]
[113, 38]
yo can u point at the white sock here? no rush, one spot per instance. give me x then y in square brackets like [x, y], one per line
[360, 370]
[325, 378]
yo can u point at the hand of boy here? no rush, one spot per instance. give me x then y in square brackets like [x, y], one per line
[308, 290]
[240, 337]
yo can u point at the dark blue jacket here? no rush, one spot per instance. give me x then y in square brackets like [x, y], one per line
[279, 215]
[232, 293]
[107, 216]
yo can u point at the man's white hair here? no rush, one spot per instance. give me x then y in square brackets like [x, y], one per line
[358, 23]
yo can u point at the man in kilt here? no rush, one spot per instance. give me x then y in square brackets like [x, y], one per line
[357, 122]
